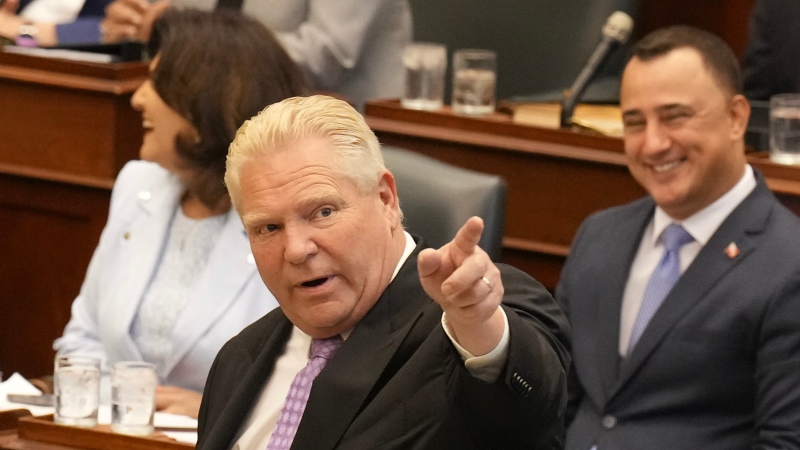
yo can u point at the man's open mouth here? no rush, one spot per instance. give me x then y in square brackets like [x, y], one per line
[315, 283]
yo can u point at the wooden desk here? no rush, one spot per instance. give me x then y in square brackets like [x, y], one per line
[66, 128]
[9, 418]
[40, 433]
[555, 178]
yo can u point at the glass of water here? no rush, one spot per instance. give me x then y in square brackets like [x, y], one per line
[76, 382]
[474, 80]
[784, 128]
[425, 64]
[133, 397]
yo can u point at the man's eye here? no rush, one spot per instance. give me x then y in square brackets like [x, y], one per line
[325, 212]
[674, 117]
[266, 229]
[633, 124]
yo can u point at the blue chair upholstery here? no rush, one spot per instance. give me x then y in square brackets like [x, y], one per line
[437, 199]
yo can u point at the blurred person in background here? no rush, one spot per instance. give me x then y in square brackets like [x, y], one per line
[771, 62]
[49, 22]
[351, 47]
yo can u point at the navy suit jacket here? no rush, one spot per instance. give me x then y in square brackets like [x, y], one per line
[86, 28]
[398, 383]
[718, 366]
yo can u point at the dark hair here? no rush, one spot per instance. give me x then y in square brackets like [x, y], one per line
[217, 69]
[716, 55]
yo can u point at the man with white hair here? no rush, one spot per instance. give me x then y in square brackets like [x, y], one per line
[378, 342]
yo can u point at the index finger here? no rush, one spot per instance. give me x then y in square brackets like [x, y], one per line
[469, 235]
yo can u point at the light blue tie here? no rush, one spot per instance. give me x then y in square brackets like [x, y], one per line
[662, 280]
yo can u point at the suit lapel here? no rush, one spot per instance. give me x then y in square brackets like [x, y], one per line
[145, 238]
[230, 267]
[709, 267]
[343, 387]
[617, 263]
[248, 390]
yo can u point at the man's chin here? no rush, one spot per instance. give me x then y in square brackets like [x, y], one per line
[320, 323]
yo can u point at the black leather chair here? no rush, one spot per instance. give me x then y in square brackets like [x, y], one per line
[437, 199]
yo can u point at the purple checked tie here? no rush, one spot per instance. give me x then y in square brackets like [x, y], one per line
[321, 351]
[662, 280]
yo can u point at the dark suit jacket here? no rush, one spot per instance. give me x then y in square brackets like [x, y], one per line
[89, 8]
[85, 28]
[718, 366]
[398, 382]
[772, 59]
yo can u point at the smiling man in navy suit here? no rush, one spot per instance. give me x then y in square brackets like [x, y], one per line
[685, 305]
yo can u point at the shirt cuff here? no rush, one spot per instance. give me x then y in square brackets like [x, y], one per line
[484, 367]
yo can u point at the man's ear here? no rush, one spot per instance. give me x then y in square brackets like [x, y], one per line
[740, 115]
[387, 193]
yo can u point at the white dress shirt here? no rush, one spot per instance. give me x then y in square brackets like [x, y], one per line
[258, 428]
[52, 11]
[701, 226]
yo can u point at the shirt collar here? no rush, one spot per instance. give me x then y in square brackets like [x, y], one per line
[410, 246]
[704, 223]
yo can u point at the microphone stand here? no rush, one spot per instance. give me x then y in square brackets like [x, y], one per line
[615, 32]
[571, 96]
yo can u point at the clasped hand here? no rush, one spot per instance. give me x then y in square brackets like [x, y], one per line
[131, 19]
[175, 400]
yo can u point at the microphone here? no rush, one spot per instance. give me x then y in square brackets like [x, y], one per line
[616, 30]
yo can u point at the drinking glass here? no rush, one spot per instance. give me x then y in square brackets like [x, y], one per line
[133, 397]
[76, 383]
[425, 64]
[474, 81]
[784, 128]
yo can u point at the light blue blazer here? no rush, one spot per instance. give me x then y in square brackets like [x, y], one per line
[229, 296]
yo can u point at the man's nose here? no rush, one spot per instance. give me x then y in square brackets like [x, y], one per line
[656, 139]
[299, 244]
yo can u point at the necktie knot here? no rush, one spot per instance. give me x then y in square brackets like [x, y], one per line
[675, 237]
[325, 348]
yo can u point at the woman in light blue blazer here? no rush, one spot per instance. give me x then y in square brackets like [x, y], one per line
[172, 278]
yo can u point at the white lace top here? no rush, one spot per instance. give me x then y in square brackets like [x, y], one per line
[185, 256]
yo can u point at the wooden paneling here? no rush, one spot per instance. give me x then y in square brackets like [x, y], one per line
[49, 232]
[66, 128]
[68, 118]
